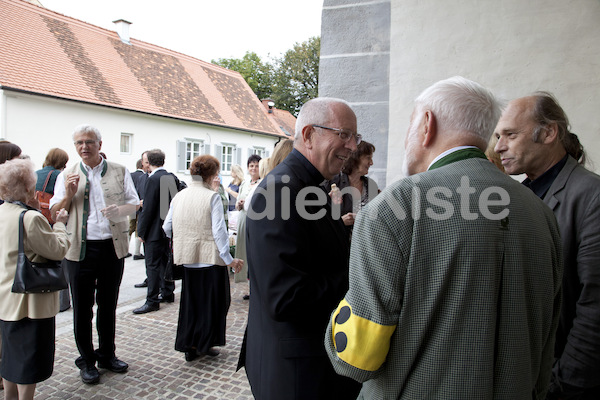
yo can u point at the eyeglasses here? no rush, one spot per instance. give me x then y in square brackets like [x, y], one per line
[344, 134]
[80, 143]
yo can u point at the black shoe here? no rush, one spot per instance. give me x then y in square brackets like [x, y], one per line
[138, 257]
[246, 297]
[90, 374]
[128, 255]
[146, 308]
[191, 355]
[143, 284]
[168, 299]
[114, 365]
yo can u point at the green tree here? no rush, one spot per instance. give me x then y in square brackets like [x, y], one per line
[290, 81]
[258, 74]
[296, 76]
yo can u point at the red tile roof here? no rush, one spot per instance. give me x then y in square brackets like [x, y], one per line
[46, 53]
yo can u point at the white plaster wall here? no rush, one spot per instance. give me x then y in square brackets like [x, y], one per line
[513, 47]
[38, 124]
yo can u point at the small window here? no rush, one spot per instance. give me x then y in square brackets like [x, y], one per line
[227, 154]
[187, 150]
[126, 143]
[259, 151]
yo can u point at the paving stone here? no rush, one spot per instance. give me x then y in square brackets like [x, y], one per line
[156, 370]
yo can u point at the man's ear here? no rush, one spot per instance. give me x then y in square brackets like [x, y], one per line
[307, 136]
[428, 128]
[550, 134]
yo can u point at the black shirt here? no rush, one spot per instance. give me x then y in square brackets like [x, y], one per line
[541, 185]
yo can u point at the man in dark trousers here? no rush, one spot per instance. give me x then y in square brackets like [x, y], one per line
[150, 230]
[534, 139]
[100, 197]
[298, 259]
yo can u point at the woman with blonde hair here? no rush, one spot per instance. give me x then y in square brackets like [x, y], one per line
[26, 319]
[237, 175]
[196, 224]
[280, 152]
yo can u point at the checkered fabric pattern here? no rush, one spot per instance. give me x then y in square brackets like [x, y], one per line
[474, 301]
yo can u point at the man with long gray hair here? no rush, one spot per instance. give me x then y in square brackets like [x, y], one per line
[447, 298]
[534, 138]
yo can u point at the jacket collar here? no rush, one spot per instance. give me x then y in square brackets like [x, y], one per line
[560, 182]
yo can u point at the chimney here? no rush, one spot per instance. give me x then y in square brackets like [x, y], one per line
[123, 30]
[269, 105]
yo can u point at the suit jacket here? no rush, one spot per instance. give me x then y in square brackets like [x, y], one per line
[298, 271]
[139, 179]
[446, 301]
[150, 220]
[574, 196]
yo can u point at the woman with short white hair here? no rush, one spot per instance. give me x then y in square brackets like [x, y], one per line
[26, 319]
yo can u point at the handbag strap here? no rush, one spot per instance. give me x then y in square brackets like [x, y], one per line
[21, 232]
[47, 179]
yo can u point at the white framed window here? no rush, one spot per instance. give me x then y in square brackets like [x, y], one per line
[187, 150]
[226, 153]
[126, 141]
[260, 151]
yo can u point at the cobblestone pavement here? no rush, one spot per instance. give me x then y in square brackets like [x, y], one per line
[146, 342]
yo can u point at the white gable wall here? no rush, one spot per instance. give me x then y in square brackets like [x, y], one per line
[38, 124]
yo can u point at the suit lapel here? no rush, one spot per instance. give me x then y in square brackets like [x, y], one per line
[559, 183]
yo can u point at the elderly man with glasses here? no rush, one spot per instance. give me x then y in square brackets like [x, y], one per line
[298, 257]
[99, 196]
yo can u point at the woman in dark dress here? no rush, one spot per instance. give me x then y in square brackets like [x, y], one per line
[196, 225]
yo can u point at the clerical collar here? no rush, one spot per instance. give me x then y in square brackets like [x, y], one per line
[541, 185]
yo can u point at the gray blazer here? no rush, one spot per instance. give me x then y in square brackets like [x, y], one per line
[575, 199]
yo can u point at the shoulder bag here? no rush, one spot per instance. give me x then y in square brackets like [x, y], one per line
[31, 277]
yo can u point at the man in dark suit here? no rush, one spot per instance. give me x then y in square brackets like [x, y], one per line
[534, 139]
[298, 257]
[150, 230]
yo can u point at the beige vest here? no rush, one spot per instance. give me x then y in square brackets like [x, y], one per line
[193, 240]
[112, 185]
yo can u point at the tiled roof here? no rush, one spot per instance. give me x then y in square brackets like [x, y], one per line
[47, 53]
[285, 120]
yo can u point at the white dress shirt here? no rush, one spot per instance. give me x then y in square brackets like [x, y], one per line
[98, 226]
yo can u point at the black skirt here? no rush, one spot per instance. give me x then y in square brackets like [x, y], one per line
[205, 300]
[27, 350]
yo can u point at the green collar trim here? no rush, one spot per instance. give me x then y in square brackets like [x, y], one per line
[459, 155]
[86, 207]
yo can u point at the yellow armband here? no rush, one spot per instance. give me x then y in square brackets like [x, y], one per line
[361, 343]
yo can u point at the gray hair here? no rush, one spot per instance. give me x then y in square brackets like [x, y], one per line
[462, 105]
[316, 111]
[546, 111]
[86, 128]
[17, 180]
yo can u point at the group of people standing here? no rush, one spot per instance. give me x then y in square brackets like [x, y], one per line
[456, 282]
